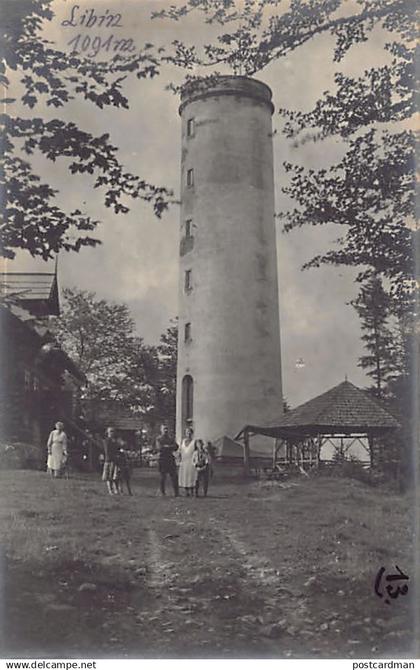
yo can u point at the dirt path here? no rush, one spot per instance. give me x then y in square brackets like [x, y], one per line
[248, 572]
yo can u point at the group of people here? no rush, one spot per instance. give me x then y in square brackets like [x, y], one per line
[117, 469]
[188, 465]
[194, 459]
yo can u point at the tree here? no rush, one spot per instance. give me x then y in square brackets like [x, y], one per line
[32, 218]
[373, 307]
[124, 374]
[369, 193]
[390, 336]
[167, 354]
[99, 337]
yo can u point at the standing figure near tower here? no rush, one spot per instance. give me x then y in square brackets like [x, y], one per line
[166, 447]
[229, 371]
[57, 450]
[201, 462]
[187, 471]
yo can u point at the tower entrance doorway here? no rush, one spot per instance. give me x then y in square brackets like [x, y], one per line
[187, 400]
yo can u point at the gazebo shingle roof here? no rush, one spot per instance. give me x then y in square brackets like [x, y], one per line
[343, 408]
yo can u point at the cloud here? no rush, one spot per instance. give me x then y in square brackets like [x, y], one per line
[138, 260]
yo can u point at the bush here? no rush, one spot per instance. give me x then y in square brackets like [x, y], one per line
[350, 468]
[20, 455]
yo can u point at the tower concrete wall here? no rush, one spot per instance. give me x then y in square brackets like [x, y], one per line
[231, 349]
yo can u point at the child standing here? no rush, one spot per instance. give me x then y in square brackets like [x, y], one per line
[202, 464]
[124, 471]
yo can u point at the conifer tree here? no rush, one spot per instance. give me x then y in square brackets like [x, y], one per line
[373, 306]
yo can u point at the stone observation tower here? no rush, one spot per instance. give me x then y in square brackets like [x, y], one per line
[229, 370]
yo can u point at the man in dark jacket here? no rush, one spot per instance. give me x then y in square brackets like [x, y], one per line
[111, 470]
[166, 446]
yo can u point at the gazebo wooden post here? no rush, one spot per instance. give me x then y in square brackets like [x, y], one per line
[371, 450]
[278, 444]
[318, 450]
[246, 453]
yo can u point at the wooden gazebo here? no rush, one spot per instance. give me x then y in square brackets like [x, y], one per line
[341, 416]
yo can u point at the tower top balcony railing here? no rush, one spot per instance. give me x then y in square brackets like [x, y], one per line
[218, 85]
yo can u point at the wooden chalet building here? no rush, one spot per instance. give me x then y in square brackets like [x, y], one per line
[39, 383]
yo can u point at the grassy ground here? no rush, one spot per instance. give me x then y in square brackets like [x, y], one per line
[254, 570]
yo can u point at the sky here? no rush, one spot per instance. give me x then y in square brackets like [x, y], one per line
[137, 262]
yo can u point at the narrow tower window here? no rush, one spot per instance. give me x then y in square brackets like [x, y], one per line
[28, 380]
[188, 280]
[187, 332]
[188, 228]
[190, 128]
[190, 177]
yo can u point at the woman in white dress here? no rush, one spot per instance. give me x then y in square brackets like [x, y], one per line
[187, 475]
[57, 450]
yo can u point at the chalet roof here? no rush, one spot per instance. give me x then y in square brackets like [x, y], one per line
[344, 408]
[46, 346]
[121, 419]
[127, 422]
[35, 290]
